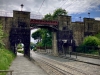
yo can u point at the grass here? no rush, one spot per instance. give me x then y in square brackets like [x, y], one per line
[6, 57]
[20, 51]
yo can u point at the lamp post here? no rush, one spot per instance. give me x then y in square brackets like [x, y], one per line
[89, 14]
[21, 6]
[80, 18]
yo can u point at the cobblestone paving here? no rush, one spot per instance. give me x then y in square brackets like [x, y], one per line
[22, 66]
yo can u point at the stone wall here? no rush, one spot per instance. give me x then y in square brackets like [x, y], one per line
[78, 32]
[97, 26]
[82, 29]
[21, 22]
[21, 16]
[64, 22]
[7, 24]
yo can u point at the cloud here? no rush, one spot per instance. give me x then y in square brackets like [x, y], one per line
[81, 6]
[97, 18]
[72, 6]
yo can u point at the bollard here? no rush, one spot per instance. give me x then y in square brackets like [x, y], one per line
[70, 54]
[11, 73]
[99, 49]
[76, 55]
[7, 71]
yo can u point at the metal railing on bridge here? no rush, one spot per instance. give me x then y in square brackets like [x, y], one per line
[6, 14]
[10, 14]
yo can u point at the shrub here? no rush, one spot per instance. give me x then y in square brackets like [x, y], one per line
[91, 41]
[34, 49]
[89, 45]
[20, 51]
[6, 56]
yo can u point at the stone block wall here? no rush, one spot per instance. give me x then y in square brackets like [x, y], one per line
[97, 26]
[6, 22]
[78, 32]
[21, 16]
[88, 27]
[64, 22]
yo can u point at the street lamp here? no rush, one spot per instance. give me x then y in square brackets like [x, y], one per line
[89, 14]
[21, 6]
[80, 18]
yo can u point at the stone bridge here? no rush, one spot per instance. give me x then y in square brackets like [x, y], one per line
[66, 34]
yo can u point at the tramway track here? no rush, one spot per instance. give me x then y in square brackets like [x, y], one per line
[60, 67]
[66, 66]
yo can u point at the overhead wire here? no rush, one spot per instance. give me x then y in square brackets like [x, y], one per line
[41, 5]
[68, 6]
[62, 4]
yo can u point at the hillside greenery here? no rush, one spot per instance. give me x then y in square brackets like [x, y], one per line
[6, 56]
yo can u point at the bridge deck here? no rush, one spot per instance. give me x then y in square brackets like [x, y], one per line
[43, 22]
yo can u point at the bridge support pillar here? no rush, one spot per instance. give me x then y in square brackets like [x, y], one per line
[54, 44]
[27, 50]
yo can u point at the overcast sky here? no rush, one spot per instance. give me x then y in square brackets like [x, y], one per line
[42, 7]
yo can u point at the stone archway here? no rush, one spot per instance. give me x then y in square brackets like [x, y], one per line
[54, 47]
[20, 36]
[21, 25]
[20, 31]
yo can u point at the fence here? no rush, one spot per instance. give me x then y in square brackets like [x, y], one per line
[6, 14]
[10, 14]
[85, 51]
[93, 50]
[3, 72]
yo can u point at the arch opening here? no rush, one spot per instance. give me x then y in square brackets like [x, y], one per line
[40, 44]
[20, 48]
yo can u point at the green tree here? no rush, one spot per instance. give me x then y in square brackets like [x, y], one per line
[58, 12]
[37, 35]
[20, 46]
[48, 17]
[46, 38]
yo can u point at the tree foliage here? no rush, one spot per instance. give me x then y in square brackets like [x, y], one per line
[91, 41]
[46, 37]
[58, 12]
[97, 35]
[48, 17]
[89, 45]
[55, 14]
[37, 34]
